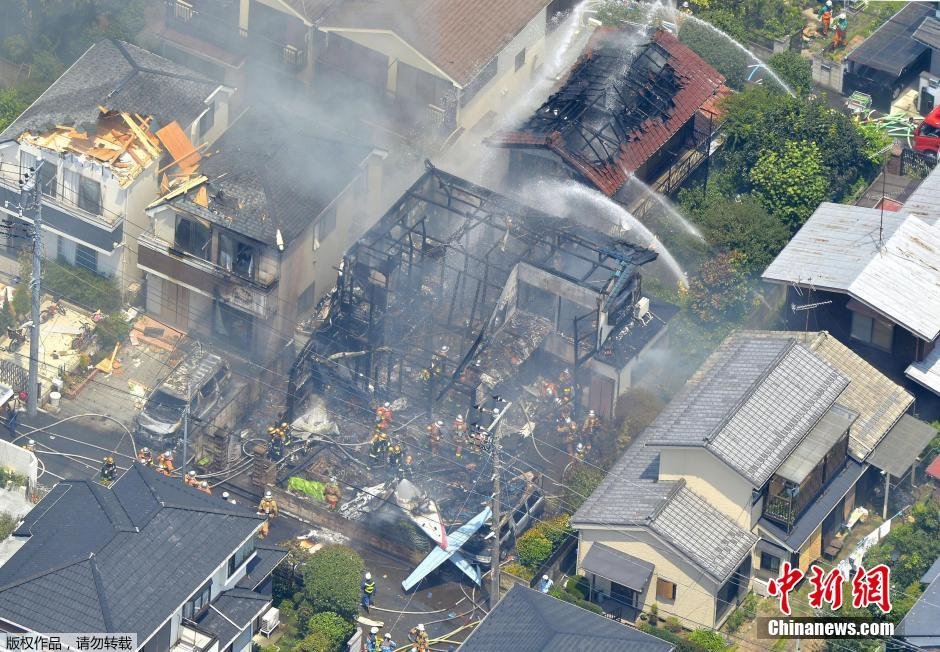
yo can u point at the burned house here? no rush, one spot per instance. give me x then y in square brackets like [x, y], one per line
[457, 288]
[242, 250]
[622, 111]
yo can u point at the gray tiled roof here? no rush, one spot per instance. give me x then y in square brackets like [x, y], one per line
[121, 77]
[530, 621]
[84, 569]
[929, 32]
[753, 405]
[702, 533]
[275, 170]
[878, 400]
[919, 626]
[237, 606]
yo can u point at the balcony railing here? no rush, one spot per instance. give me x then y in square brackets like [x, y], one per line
[192, 639]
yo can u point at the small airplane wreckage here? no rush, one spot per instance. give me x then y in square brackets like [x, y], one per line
[450, 552]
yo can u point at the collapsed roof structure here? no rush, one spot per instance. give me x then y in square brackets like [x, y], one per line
[619, 107]
[455, 265]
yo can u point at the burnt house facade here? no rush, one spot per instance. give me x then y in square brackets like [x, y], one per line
[622, 111]
[512, 293]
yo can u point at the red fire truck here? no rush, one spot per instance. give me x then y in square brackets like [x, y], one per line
[927, 134]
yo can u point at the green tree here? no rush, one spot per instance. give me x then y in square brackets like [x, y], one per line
[710, 640]
[533, 548]
[717, 50]
[790, 183]
[720, 290]
[13, 101]
[794, 69]
[635, 411]
[331, 580]
[333, 629]
[581, 483]
[314, 642]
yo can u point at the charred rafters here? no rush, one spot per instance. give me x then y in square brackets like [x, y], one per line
[607, 99]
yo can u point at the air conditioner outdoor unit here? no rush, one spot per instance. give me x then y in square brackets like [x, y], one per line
[270, 621]
[642, 309]
[760, 587]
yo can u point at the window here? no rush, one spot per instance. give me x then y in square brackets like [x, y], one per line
[665, 590]
[327, 224]
[206, 121]
[520, 59]
[241, 555]
[198, 602]
[769, 563]
[192, 236]
[872, 331]
[237, 256]
[89, 195]
[86, 257]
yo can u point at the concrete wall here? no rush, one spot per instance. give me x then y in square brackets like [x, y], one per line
[712, 479]
[828, 73]
[694, 604]
[19, 460]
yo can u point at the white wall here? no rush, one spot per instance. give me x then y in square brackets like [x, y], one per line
[19, 460]
[708, 476]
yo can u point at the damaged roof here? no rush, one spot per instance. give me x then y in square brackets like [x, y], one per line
[612, 114]
[274, 171]
[120, 77]
[458, 38]
[133, 553]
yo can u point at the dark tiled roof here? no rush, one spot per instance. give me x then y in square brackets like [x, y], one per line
[275, 171]
[754, 405]
[530, 621]
[591, 101]
[892, 47]
[85, 568]
[710, 539]
[460, 38]
[234, 606]
[919, 626]
[121, 77]
[261, 566]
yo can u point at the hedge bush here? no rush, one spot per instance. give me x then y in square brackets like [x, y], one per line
[575, 600]
[533, 548]
[334, 629]
[682, 644]
[331, 581]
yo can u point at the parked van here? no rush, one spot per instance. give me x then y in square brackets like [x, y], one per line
[197, 381]
[927, 134]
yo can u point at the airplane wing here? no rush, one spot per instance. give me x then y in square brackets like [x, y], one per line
[438, 556]
[456, 540]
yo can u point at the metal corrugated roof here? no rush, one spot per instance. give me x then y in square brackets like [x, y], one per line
[902, 446]
[618, 566]
[929, 33]
[927, 371]
[838, 249]
[818, 442]
[925, 200]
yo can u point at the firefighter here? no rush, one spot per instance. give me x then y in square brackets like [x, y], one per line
[580, 452]
[383, 417]
[589, 426]
[108, 470]
[825, 16]
[437, 361]
[388, 645]
[571, 434]
[268, 506]
[205, 488]
[565, 386]
[190, 479]
[548, 391]
[145, 457]
[842, 25]
[435, 434]
[372, 642]
[460, 435]
[395, 453]
[165, 463]
[420, 638]
[407, 470]
[30, 445]
[332, 494]
[379, 444]
[562, 409]
[686, 9]
[368, 592]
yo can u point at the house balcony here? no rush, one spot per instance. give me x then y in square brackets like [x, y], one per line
[158, 257]
[193, 639]
[100, 231]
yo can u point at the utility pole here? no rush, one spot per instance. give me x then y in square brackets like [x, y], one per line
[185, 430]
[497, 505]
[31, 200]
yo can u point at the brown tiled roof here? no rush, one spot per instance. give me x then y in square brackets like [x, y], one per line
[701, 86]
[459, 37]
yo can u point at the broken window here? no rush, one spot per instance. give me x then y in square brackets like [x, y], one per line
[89, 195]
[193, 237]
[520, 59]
[233, 326]
[327, 224]
[47, 174]
[237, 256]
